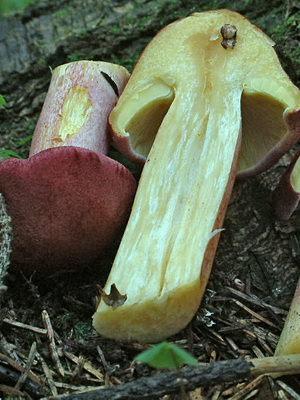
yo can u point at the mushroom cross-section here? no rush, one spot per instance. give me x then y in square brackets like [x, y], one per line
[200, 83]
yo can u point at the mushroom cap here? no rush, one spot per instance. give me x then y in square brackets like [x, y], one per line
[67, 205]
[173, 74]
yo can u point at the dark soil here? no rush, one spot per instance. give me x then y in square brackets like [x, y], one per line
[257, 263]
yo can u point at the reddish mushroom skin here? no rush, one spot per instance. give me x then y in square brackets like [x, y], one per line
[285, 198]
[77, 105]
[67, 206]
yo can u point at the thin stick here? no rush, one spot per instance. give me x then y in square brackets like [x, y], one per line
[48, 374]
[53, 350]
[247, 389]
[283, 365]
[78, 368]
[193, 377]
[256, 315]
[27, 368]
[289, 390]
[10, 391]
[257, 301]
[30, 328]
[8, 348]
[86, 366]
[19, 368]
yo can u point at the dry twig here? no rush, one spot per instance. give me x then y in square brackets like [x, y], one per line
[288, 390]
[191, 378]
[30, 328]
[27, 368]
[53, 350]
[48, 374]
[247, 388]
[86, 366]
[19, 368]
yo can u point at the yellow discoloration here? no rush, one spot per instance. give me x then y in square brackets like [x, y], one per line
[74, 114]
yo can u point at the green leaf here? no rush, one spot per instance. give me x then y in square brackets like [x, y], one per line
[8, 154]
[166, 355]
[2, 100]
[13, 6]
[24, 141]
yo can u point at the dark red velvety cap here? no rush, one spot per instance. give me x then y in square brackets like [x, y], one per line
[67, 205]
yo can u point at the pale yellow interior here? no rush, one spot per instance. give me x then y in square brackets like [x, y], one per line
[289, 341]
[74, 114]
[295, 176]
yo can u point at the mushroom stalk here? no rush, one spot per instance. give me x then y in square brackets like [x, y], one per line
[195, 86]
[175, 211]
[289, 341]
[78, 102]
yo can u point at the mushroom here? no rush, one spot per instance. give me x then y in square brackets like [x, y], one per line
[289, 341]
[68, 201]
[200, 83]
[286, 196]
[285, 199]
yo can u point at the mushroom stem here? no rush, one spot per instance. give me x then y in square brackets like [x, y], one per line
[289, 341]
[78, 102]
[174, 213]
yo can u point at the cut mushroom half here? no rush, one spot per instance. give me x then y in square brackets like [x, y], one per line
[182, 114]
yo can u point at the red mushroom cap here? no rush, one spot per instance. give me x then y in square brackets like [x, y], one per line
[67, 205]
